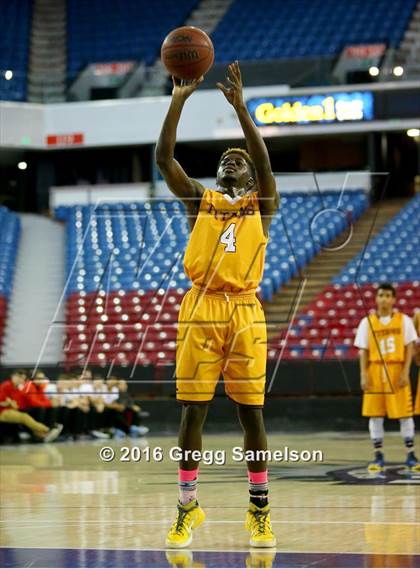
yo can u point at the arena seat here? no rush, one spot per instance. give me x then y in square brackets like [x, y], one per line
[125, 269]
[123, 30]
[119, 30]
[9, 239]
[336, 312]
[306, 28]
[14, 48]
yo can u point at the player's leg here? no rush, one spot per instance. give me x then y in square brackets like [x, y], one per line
[399, 406]
[407, 431]
[258, 520]
[376, 431]
[189, 515]
[244, 374]
[190, 439]
[374, 407]
[255, 439]
[198, 365]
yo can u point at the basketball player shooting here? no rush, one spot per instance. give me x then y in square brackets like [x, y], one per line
[221, 324]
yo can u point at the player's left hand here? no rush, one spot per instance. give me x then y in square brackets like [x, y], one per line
[234, 93]
[404, 379]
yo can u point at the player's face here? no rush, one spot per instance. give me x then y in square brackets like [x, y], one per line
[385, 300]
[233, 171]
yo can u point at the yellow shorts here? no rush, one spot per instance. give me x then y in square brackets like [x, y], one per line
[417, 403]
[226, 334]
[385, 397]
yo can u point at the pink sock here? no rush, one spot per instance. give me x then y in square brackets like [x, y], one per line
[258, 488]
[258, 477]
[187, 480]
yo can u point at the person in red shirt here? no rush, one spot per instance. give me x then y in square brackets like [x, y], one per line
[36, 402]
[13, 399]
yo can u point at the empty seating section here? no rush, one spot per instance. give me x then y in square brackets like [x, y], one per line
[14, 48]
[9, 239]
[289, 29]
[326, 328]
[120, 30]
[392, 255]
[125, 269]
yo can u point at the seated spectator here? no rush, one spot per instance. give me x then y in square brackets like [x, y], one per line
[99, 392]
[111, 392]
[12, 400]
[37, 404]
[115, 409]
[132, 412]
[94, 421]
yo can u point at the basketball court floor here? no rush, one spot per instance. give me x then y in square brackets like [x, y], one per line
[62, 506]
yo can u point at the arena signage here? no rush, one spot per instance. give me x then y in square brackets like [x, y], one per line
[113, 68]
[65, 139]
[310, 109]
[365, 51]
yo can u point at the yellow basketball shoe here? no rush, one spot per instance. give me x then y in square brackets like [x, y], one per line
[258, 523]
[189, 517]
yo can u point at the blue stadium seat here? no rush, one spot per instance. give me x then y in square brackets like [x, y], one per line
[118, 237]
[9, 240]
[14, 48]
[124, 264]
[300, 29]
[391, 255]
[116, 30]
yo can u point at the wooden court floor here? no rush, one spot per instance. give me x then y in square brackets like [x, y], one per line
[62, 506]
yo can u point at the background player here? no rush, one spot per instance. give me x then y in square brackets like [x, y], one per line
[385, 340]
[416, 321]
[221, 321]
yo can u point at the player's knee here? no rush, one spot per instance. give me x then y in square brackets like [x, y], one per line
[250, 417]
[194, 414]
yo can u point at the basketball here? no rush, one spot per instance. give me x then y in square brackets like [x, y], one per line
[187, 52]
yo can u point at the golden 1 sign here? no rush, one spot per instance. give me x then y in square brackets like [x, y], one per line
[329, 107]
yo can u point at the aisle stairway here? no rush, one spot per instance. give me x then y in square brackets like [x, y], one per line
[205, 16]
[47, 57]
[38, 285]
[408, 53]
[295, 295]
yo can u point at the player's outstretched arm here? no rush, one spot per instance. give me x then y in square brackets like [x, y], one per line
[254, 141]
[178, 181]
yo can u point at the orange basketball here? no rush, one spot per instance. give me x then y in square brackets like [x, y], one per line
[187, 52]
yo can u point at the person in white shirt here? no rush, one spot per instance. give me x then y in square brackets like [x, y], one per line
[385, 340]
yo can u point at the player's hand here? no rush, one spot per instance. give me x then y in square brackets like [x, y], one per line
[233, 93]
[182, 88]
[404, 379]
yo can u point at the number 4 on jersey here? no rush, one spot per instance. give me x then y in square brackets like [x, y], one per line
[228, 239]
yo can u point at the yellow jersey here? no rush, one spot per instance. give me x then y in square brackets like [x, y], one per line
[386, 341]
[226, 249]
